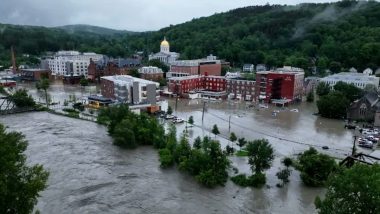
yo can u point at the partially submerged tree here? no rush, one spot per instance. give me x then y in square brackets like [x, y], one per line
[215, 130]
[315, 168]
[44, 85]
[323, 89]
[20, 184]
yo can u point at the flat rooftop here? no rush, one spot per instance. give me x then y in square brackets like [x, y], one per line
[123, 79]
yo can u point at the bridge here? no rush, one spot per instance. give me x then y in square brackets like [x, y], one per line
[8, 107]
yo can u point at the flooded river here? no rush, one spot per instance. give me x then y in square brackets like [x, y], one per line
[90, 175]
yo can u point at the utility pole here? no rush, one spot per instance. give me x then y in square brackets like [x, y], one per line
[176, 99]
[229, 123]
[203, 111]
[354, 146]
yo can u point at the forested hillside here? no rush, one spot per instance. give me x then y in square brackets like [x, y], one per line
[344, 34]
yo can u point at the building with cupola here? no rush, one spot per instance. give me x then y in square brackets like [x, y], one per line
[165, 55]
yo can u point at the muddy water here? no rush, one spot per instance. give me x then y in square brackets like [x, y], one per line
[90, 175]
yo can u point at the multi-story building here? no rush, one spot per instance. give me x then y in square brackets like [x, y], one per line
[212, 86]
[151, 73]
[208, 66]
[128, 89]
[70, 63]
[360, 80]
[111, 67]
[165, 55]
[241, 89]
[279, 85]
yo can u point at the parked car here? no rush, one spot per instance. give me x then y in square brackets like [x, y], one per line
[372, 138]
[366, 144]
[178, 120]
[325, 147]
[169, 117]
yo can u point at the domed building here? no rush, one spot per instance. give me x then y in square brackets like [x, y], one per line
[165, 55]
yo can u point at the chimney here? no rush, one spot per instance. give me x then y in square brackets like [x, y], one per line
[14, 68]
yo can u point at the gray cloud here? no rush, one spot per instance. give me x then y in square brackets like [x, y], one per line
[136, 15]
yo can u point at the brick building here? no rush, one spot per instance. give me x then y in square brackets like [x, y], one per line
[210, 85]
[110, 67]
[34, 74]
[151, 73]
[279, 85]
[241, 89]
[208, 66]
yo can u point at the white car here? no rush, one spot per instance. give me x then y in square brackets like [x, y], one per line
[168, 117]
[178, 120]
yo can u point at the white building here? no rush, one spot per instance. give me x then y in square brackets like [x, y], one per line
[165, 55]
[150, 70]
[248, 68]
[128, 89]
[71, 63]
[360, 80]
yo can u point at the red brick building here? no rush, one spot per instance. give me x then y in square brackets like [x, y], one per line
[151, 73]
[34, 74]
[195, 83]
[110, 67]
[276, 85]
[209, 66]
[241, 89]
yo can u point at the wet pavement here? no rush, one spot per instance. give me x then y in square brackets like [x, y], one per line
[90, 175]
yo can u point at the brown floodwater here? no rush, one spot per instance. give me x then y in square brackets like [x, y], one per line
[90, 175]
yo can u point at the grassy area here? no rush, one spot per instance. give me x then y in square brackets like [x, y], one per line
[242, 153]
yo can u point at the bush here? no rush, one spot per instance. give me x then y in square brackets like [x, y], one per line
[241, 180]
[22, 99]
[166, 158]
[78, 106]
[70, 110]
[257, 180]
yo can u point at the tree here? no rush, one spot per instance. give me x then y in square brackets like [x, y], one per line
[134, 73]
[333, 105]
[215, 130]
[21, 99]
[260, 154]
[350, 91]
[191, 120]
[83, 81]
[323, 89]
[283, 175]
[310, 97]
[287, 162]
[315, 168]
[197, 143]
[242, 142]
[44, 85]
[166, 158]
[233, 137]
[20, 183]
[353, 190]
[170, 110]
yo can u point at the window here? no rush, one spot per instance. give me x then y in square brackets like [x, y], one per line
[363, 110]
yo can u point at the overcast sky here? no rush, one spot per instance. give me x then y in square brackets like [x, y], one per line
[135, 15]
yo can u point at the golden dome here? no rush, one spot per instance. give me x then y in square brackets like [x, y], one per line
[164, 42]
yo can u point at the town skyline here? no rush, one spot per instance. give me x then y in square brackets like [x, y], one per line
[126, 15]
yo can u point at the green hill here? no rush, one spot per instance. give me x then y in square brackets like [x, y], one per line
[92, 29]
[330, 35]
[343, 34]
